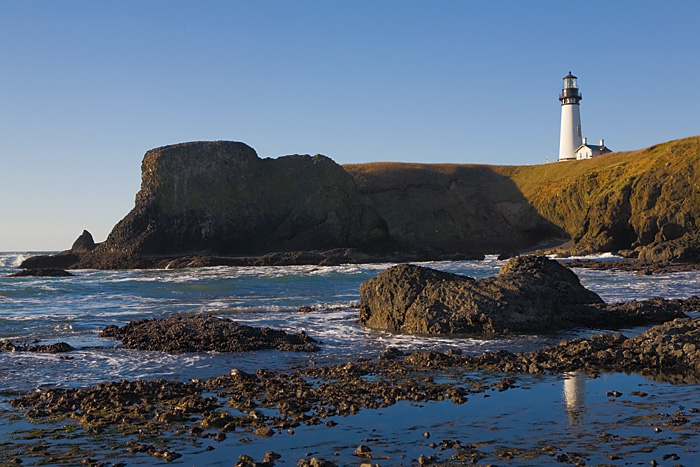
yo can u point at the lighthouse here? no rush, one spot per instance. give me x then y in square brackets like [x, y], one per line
[570, 135]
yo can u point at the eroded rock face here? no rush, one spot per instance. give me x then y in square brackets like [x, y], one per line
[530, 294]
[205, 334]
[221, 198]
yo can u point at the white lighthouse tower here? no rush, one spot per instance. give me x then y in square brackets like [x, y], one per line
[570, 134]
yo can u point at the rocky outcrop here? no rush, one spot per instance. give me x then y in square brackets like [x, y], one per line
[58, 347]
[642, 203]
[51, 265]
[669, 351]
[205, 334]
[530, 294]
[221, 198]
[42, 272]
[63, 260]
[83, 243]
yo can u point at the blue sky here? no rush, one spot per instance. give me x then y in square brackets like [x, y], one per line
[89, 87]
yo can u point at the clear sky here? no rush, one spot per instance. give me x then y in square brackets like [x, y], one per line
[89, 86]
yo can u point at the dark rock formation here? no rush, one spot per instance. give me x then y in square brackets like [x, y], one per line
[42, 272]
[321, 258]
[83, 243]
[530, 294]
[451, 207]
[64, 260]
[205, 334]
[669, 348]
[220, 198]
[58, 347]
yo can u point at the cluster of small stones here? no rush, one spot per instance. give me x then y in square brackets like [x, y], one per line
[313, 396]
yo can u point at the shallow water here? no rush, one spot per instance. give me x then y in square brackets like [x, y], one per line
[75, 309]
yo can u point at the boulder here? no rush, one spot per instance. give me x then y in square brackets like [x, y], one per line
[532, 294]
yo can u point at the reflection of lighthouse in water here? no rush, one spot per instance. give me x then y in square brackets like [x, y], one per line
[574, 391]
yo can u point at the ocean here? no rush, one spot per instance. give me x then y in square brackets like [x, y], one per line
[75, 309]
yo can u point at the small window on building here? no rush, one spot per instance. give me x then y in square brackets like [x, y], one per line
[578, 130]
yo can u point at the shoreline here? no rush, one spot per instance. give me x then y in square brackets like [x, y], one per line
[447, 416]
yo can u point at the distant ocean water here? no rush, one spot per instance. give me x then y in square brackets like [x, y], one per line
[75, 309]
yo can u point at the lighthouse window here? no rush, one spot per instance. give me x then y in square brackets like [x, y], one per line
[578, 130]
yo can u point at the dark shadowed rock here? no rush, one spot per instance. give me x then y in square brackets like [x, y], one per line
[205, 334]
[83, 243]
[64, 260]
[58, 347]
[530, 294]
[42, 272]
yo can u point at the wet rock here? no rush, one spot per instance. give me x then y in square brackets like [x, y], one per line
[663, 351]
[58, 347]
[315, 462]
[530, 294]
[265, 432]
[363, 451]
[205, 334]
[42, 272]
[64, 260]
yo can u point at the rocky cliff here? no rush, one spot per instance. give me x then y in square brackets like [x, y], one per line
[220, 198]
[452, 207]
[643, 203]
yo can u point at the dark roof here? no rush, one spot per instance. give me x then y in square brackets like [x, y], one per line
[570, 76]
[594, 147]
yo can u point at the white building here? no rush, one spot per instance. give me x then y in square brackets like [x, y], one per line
[570, 134]
[586, 151]
[572, 146]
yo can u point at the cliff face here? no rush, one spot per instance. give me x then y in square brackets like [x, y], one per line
[644, 202]
[451, 207]
[221, 198]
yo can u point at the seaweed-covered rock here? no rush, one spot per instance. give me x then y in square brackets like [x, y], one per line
[205, 334]
[669, 349]
[58, 347]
